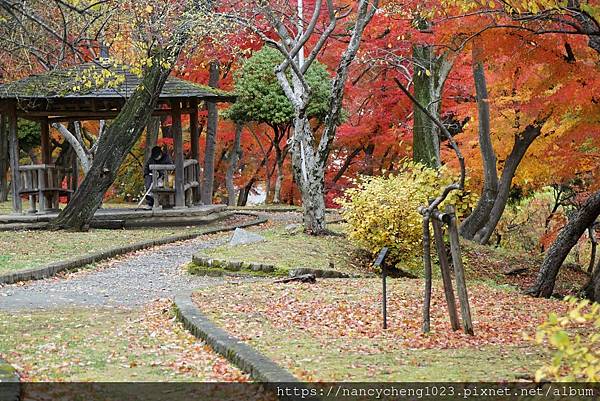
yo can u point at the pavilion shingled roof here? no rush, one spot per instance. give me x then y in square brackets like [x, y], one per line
[70, 83]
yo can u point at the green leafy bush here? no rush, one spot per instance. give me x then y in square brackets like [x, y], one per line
[383, 211]
[575, 339]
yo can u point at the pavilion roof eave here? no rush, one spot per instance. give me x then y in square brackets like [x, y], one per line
[64, 86]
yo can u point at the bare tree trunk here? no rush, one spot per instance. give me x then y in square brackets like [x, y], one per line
[3, 159]
[309, 157]
[113, 146]
[245, 192]
[426, 143]
[211, 139]
[429, 78]
[279, 159]
[233, 163]
[346, 165]
[489, 193]
[522, 143]
[76, 145]
[566, 240]
[310, 177]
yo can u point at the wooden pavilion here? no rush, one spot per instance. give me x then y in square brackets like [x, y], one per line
[96, 91]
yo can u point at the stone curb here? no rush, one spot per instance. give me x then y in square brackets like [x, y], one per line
[260, 368]
[231, 265]
[10, 382]
[70, 264]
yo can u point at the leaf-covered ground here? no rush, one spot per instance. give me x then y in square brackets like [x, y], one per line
[492, 265]
[109, 345]
[332, 330]
[288, 249]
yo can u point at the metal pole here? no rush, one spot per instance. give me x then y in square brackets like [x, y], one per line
[384, 277]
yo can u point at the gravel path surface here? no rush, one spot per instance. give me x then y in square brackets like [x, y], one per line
[129, 281]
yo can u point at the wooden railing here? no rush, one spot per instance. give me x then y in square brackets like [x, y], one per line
[163, 183]
[43, 183]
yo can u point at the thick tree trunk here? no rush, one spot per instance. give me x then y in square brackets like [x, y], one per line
[489, 193]
[279, 158]
[426, 144]
[566, 240]
[522, 143]
[211, 138]
[113, 146]
[309, 173]
[3, 159]
[233, 163]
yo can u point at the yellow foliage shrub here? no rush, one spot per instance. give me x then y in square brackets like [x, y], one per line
[383, 211]
[575, 339]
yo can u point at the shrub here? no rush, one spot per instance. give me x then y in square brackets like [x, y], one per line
[383, 211]
[576, 341]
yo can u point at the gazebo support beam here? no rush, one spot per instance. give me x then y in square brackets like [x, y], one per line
[3, 158]
[45, 141]
[13, 150]
[178, 142]
[194, 139]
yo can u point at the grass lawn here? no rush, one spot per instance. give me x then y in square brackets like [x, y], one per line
[27, 249]
[293, 249]
[331, 331]
[108, 345]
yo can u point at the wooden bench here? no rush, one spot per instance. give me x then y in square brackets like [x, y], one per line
[163, 183]
[43, 183]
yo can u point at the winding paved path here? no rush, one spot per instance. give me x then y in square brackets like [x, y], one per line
[128, 281]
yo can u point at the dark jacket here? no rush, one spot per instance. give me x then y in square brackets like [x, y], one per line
[164, 159]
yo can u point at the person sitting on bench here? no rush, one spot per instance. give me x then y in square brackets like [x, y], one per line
[157, 156]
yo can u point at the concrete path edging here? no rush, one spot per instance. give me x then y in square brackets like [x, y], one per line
[74, 263]
[259, 367]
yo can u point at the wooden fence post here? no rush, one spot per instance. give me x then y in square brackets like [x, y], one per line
[459, 273]
[445, 270]
[427, 269]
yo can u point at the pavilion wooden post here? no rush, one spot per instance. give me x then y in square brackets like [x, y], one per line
[13, 147]
[3, 159]
[178, 142]
[45, 134]
[194, 138]
[46, 159]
